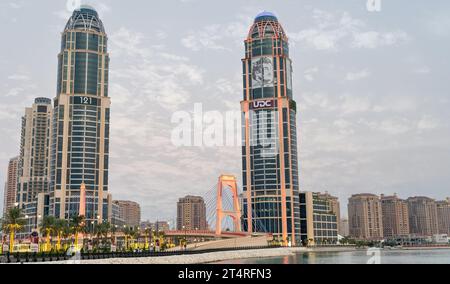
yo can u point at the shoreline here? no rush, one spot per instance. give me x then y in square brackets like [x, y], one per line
[207, 258]
[215, 257]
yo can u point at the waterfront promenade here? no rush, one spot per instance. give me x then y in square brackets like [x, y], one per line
[194, 259]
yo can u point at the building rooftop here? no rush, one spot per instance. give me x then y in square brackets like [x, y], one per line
[85, 18]
[266, 16]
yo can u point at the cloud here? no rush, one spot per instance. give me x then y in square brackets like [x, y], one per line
[355, 76]
[427, 122]
[373, 39]
[310, 73]
[218, 36]
[19, 77]
[424, 70]
[334, 30]
[439, 25]
[160, 76]
[15, 5]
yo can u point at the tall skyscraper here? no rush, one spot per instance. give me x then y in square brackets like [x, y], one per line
[423, 220]
[34, 159]
[191, 213]
[10, 193]
[364, 217]
[80, 126]
[269, 152]
[395, 216]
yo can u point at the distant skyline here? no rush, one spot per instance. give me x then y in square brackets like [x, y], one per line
[372, 90]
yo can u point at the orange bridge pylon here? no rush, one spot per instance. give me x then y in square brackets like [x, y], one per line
[228, 182]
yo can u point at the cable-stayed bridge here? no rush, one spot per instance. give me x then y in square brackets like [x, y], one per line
[223, 213]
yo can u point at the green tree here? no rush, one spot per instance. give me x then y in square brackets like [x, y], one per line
[47, 227]
[61, 230]
[13, 222]
[77, 225]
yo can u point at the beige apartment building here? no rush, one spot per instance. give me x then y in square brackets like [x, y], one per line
[34, 161]
[11, 185]
[129, 212]
[365, 217]
[343, 228]
[443, 213]
[158, 226]
[318, 222]
[335, 206]
[191, 213]
[395, 216]
[423, 216]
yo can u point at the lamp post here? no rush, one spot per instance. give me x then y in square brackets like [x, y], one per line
[185, 237]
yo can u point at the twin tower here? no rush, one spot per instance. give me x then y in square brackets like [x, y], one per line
[79, 128]
[269, 151]
[65, 143]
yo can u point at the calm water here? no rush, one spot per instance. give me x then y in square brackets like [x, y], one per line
[356, 257]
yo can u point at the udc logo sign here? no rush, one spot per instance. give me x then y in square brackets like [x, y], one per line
[262, 104]
[73, 5]
[373, 5]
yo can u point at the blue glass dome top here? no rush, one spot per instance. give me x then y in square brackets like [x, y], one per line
[85, 18]
[266, 16]
[88, 9]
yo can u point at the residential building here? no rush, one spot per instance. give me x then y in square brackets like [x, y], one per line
[395, 216]
[34, 162]
[365, 217]
[319, 224]
[423, 216]
[344, 228]
[10, 193]
[129, 212]
[443, 214]
[191, 213]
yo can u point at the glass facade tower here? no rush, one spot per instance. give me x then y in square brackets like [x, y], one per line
[269, 152]
[80, 126]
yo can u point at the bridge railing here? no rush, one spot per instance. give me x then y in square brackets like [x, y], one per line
[203, 233]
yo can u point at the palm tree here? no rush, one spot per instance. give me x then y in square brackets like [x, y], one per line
[147, 233]
[101, 231]
[59, 228]
[130, 233]
[113, 234]
[13, 222]
[127, 231]
[78, 225]
[66, 233]
[106, 229]
[47, 225]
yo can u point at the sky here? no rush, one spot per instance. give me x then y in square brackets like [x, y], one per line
[372, 89]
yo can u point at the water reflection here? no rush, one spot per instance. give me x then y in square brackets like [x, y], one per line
[439, 256]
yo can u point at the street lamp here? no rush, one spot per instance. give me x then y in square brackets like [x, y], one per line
[185, 237]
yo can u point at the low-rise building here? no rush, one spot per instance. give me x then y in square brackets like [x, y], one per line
[318, 222]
